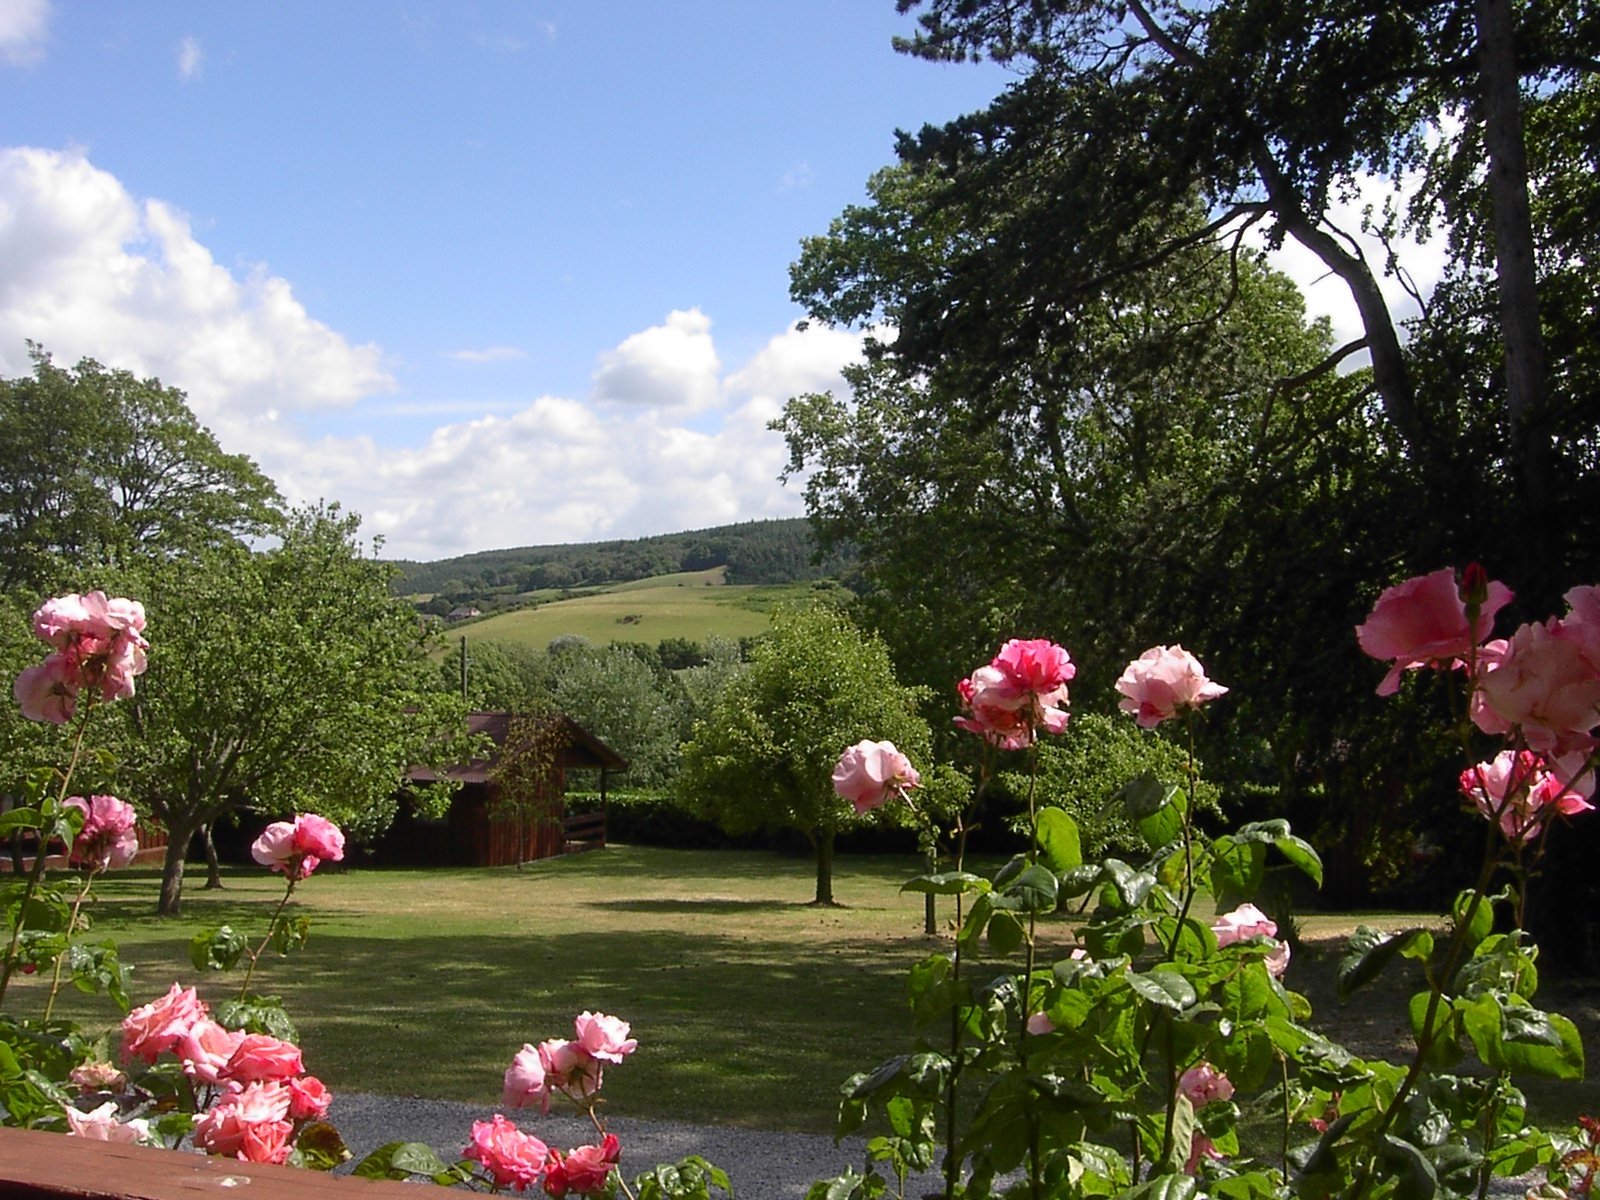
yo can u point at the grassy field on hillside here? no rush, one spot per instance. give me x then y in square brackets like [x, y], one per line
[694, 605]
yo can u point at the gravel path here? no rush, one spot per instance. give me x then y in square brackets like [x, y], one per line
[763, 1165]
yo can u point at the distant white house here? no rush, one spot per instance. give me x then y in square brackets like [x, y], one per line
[462, 612]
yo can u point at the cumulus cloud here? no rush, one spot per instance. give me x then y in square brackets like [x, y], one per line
[673, 365]
[190, 58]
[24, 27]
[1422, 264]
[88, 270]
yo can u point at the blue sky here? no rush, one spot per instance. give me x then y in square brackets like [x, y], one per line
[489, 273]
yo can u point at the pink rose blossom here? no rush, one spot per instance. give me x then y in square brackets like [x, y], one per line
[604, 1037]
[108, 838]
[512, 1158]
[1544, 685]
[101, 1125]
[154, 1028]
[309, 1099]
[1519, 792]
[205, 1049]
[1423, 622]
[251, 1125]
[1248, 921]
[1162, 682]
[1203, 1083]
[48, 691]
[1040, 1024]
[570, 1069]
[525, 1083]
[1038, 666]
[1020, 692]
[297, 848]
[97, 1077]
[260, 1056]
[584, 1170]
[869, 773]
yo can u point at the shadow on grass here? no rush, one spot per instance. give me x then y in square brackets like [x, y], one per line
[732, 1030]
[695, 904]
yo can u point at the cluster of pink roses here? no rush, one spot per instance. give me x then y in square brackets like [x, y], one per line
[296, 848]
[571, 1068]
[1202, 1084]
[98, 643]
[1540, 688]
[262, 1095]
[1021, 691]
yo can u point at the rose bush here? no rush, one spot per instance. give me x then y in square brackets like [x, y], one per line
[1126, 1067]
[231, 1081]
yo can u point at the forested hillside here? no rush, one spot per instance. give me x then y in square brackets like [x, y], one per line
[753, 552]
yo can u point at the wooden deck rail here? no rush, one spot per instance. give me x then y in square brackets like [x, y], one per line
[33, 1163]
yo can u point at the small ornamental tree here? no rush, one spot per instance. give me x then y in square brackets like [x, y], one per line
[763, 759]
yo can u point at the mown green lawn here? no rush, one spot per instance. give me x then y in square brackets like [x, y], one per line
[750, 1005]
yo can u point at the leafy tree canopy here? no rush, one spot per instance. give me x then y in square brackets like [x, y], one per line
[764, 758]
[99, 466]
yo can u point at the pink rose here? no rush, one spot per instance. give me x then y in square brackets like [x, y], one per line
[97, 638]
[309, 1100]
[108, 838]
[1040, 1024]
[1203, 1083]
[260, 1056]
[1036, 666]
[1423, 622]
[570, 1069]
[584, 1170]
[97, 1077]
[250, 1125]
[101, 1125]
[512, 1158]
[1544, 685]
[48, 691]
[1248, 921]
[205, 1049]
[870, 773]
[297, 848]
[1519, 793]
[1162, 682]
[525, 1081]
[604, 1037]
[155, 1028]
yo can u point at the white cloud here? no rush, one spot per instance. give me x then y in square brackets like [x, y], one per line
[190, 58]
[796, 177]
[24, 27]
[673, 366]
[88, 270]
[488, 354]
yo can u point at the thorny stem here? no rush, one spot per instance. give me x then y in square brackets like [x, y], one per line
[272, 926]
[1177, 932]
[72, 925]
[37, 873]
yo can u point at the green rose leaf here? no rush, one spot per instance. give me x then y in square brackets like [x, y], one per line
[1057, 836]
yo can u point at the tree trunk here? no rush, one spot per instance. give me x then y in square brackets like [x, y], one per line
[172, 871]
[1516, 277]
[213, 867]
[823, 841]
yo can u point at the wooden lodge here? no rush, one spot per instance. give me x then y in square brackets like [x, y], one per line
[478, 831]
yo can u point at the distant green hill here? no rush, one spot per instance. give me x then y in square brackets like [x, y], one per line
[755, 552]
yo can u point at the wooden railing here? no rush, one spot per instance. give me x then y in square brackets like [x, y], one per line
[55, 1165]
[583, 831]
